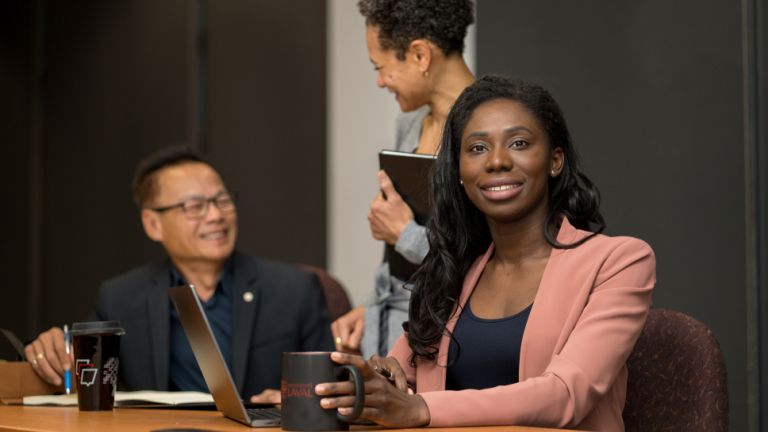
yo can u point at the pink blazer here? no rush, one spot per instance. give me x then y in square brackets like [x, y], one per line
[587, 314]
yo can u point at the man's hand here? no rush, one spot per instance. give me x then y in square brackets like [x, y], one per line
[48, 355]
[388, 216]
[348, 330]
[267, 396]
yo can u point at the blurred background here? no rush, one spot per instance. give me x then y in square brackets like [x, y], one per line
[666, 102]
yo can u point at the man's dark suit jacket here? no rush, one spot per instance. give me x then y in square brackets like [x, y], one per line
[287, 313]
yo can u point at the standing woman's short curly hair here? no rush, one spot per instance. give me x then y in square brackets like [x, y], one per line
[442, 22]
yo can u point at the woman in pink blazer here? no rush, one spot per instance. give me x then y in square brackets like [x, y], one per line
[522, 313]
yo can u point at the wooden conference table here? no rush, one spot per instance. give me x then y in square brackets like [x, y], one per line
[44, 419]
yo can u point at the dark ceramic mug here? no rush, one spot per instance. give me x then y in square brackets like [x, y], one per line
[301, 409]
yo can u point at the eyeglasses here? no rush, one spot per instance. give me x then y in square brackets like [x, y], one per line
[197, 208]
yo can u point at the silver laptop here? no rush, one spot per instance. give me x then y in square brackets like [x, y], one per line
[212, 364]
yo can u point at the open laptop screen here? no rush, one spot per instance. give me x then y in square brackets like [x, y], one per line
[209, 358]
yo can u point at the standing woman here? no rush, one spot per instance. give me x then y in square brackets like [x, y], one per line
[416, 49]
[522, 313]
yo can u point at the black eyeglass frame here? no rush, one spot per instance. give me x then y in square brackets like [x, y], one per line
[206, 202]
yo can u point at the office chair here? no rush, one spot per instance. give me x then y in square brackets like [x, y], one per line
[336, 298]
[677, 378]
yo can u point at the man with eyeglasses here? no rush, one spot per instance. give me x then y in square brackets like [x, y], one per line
[257, 308]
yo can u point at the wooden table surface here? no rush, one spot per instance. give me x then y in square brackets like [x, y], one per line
[64, 419]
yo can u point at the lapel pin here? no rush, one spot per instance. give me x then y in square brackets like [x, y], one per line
[248, 296]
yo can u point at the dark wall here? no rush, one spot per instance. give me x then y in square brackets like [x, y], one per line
[757, 67]
[15, 123]
[241, 81]
[653, 95]
[115, 89]
[266, 121]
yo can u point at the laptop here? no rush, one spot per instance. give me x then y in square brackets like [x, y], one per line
[211, 362]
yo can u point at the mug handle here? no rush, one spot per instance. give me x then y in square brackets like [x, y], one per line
[357, 377]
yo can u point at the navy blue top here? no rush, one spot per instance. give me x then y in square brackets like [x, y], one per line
[485, 353]
[184, 373]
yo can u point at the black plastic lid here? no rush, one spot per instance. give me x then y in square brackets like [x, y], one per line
[97, 328]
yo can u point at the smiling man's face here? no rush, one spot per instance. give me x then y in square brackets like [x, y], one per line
[208, 239]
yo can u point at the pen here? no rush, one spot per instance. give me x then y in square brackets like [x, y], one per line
[68, 372]
[384, 372]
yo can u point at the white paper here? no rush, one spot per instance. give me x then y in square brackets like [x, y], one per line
[127, 398]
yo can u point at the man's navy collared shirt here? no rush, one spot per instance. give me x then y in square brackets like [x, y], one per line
[184, 372]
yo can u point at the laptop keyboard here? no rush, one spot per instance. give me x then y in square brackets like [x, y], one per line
[264, 413]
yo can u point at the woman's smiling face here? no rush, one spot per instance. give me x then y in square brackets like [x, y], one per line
[400, 77]
[505, 162]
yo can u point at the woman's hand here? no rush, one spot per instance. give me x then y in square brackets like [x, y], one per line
[390, 369]
[387, 403]
[388, 216]
[348, 330]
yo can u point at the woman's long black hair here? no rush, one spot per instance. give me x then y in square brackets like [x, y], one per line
[458, 232]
